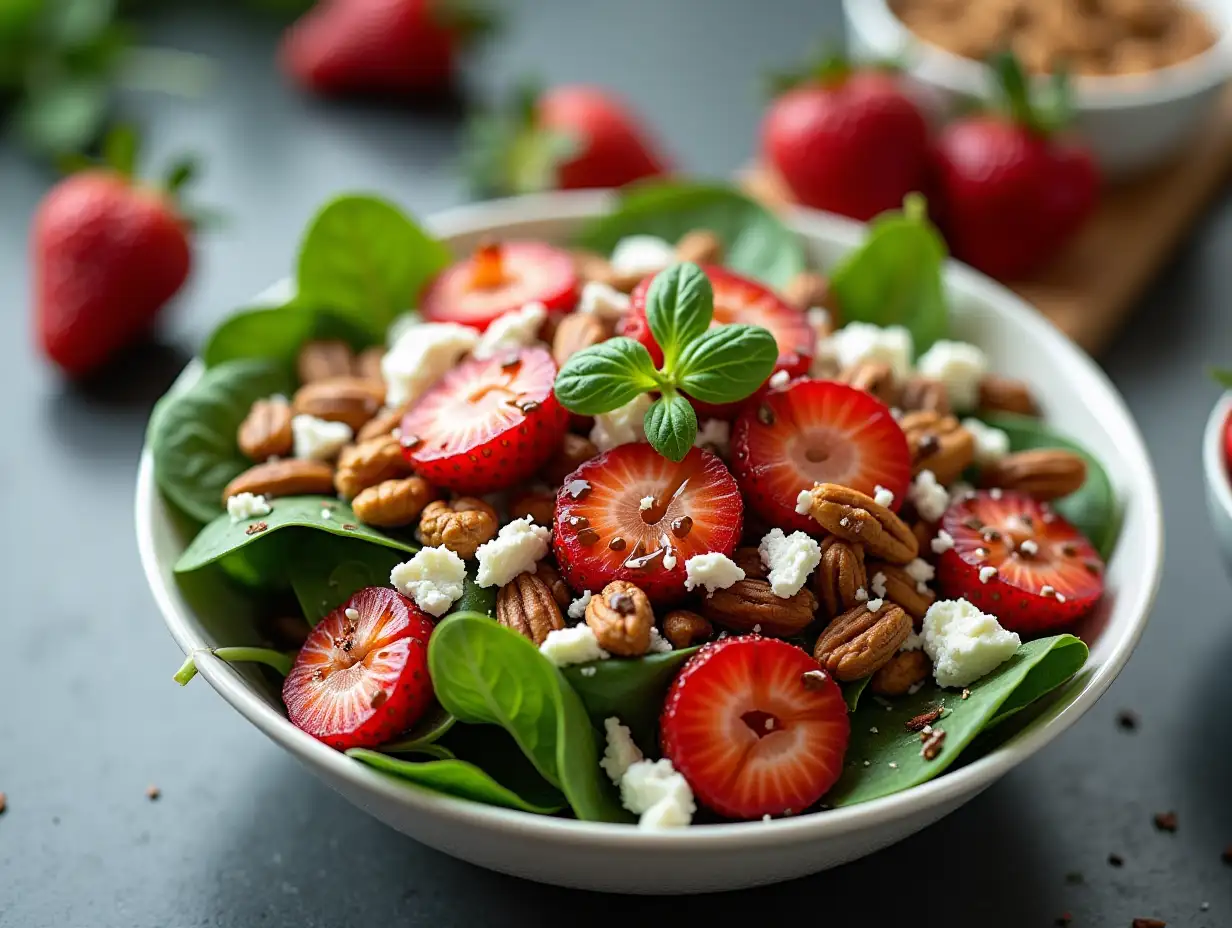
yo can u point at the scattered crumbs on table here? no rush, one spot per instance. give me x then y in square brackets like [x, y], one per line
[1116, 860]
[1127, 720]
[152, 792]
[4, 802]
[1075, 878]
[1149, 923]
[1165, 821]
[1204, 907]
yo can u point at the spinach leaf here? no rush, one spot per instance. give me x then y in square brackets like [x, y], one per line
[853, 691]
[895, 277]
[277, 332]
[755, 241]
[326, 570]
[193, 433]
[431, 727]
[879, 735]
[630, 689]
[476, 598]
[222, 536]
[1093, 509]
[486, 674]
[365, 259]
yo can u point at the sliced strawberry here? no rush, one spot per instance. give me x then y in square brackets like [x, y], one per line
[816, 431]
[488, 424]
[499, 278]
[1039, 573]
[756, 727]
[602, 533]
[361, 678]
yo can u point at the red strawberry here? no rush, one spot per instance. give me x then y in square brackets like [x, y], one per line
[361, 678]
[1046, 574]
[1227, 442]
[378, 46]
[851, 142]
[816, 431]
[602, 533]
[499, 278]
[1011, 194]
[756, 727]
[107, 255]
[488, 424]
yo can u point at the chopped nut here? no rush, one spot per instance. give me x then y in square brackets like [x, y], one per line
[526, 605]
[574, 452]
[900, 673]
[393, 502]
[266, 430]
[621, 618]
[875, 378]
[369, 463]
[748, 559]
[685, 629]
[860, 642]
[840, 576]
[919, 722]
[932, 742]
[383, 423]
[1165, 821]
[1043, 474]
[323, 360]
[576, 332]
[924, 394]
[592, 266]
[938, 443]
[701, 246]
[857, 518]
[288, 477]
[340, 399]
[461, 525]
[539, 506]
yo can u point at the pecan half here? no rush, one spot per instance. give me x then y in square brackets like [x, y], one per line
[750, 605]
[749, 560]
[924, 393]
[701, 246]
[873, 377]
[924, 533]
[1043, 474]
[369, 463]
[288, 477]
[526, 605]
[461, 525]
[576, 332]
[546, 571]
[621, 618]
[806, 290]
[383, 423]
[368, 363]
[1005, 394]
[352, 400]
[859, 642]
[938, 443]
[266, 430]
[901, 590]
[323, 360]
[540, 506]
[393, 502]
[840, 576]
[574, 451]
[900, 673]
[857, 518]
[592, 266]
[685, 629]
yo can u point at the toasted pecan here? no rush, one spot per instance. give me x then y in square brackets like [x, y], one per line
[266, 430]
[1043, 473]
[900, 673]
[369, 463]
[352, 400]
[286, 477]
[393, 502]
[938, 443]
[621, 618]
[526, 605]
[860, 641]
[855, 517]
[685, 629]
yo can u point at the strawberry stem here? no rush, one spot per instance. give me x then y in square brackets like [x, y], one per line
[275, 660]
[1043, 116]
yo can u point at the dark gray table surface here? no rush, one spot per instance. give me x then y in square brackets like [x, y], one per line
[243, 836]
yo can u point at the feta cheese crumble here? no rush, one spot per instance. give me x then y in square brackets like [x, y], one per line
[942, 543]
[659, 644]
[243, 506]
[1028, 547]
[804, 502]
[516, 549]
[930, 498]
[960, 367]
[878, 583]
[780, 380]
[576, 644]
[641, 254]
[964, 643]
[621, 753]
[669, 559]
[714, 434]
[577, 608]
[647, 502]
[790, 559]
[421, 356]
[602, 300]
[432, 578]
[653, 790]
[862, 341]
[622, 425]
[991, 444]
[874, 605]
[714, 571]
[987, 573]
[883, 497]
[913, 642]
[518, 328]
[920, 570]
[318, 439]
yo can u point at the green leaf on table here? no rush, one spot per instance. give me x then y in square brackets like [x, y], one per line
[756, 242]
[880, 737]
[895, 277]
[671, 426]
[431, 727]
[679, 307]
[486, 674]
[853, 691]
[1093, 509]
[326, 570]
[222, 536]
[276, 333]
[727, 363]
[192, 433]
[605, 376]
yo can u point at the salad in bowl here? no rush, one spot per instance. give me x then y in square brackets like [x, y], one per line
[651, 526]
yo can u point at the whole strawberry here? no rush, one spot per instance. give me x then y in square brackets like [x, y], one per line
[388, 47]
[569, 137]
[1012, 192]
[844, 140]
[107, 254]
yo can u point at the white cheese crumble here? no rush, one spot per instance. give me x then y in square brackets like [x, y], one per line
[401, 325]
[658, 794]
[964, 643]
[991, 444]
[641, 254]
[577, 608]
[819, 321]
[942, 543]
[318, 439]
[913, 642]
[516, 549]
[351, 614]
[804, 502]
[659, 644]
[327, 513]
[862, 341]
[243, 506]
[878, 583]
[960, 367]
[987, 573]
[603, 300]
[421, 356]
[715, 434]
[779, 380]
[518, 328]
[883, 497]
[714, 571]
[621, 753]
[920, 570]
[1028, 547]
[622, 425]
[790, 559]
[861, 595]
[930, 498]
[646, 502]
[576, 644]
[432, 578]
[874, 605]
[669, 559]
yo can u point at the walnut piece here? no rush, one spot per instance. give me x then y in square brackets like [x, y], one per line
[1043, 474]
[685, 629]
[621, 618]
[393, 502]
[860, 642]
[900, 673]
[750, 605]
[352, 400]
[324, 359]
[461, 525]
[266, 430]
[526, 605]
[288, 477]
[369, 463]
[857, 518]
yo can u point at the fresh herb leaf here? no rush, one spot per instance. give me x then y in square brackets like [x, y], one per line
[605, 376]
[679, 308]
[727, 363]
[671, 426]
[277, 333]
[326, 570]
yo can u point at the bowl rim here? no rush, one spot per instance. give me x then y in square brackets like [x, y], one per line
[952, 787]
[1214, 465]
[959, 74]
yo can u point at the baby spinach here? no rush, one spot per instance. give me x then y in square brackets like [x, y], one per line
[631, 689]
[277, 332]
[476, 598]
[853, 691]
[431, 727]
[895, 277]
[486, 674]
[326, 570]
[756, 242]
[879, 735]
[222, 536]
[193, 433]
[1093, 509]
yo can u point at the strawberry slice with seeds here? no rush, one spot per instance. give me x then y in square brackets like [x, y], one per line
[631, 514]
[816, 431]
[487, 424]
[499, 278]
[361, 678]
[1017, 559]
[756, 727]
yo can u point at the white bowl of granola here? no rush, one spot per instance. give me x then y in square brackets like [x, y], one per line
[1076, 400]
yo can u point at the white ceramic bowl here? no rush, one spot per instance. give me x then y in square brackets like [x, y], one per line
[1218, 484]
[1076, 396]
[1132, 122]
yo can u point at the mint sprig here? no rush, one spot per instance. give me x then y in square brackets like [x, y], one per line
[720, 365]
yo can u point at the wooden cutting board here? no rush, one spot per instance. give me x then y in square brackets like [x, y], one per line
[1090, 288]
